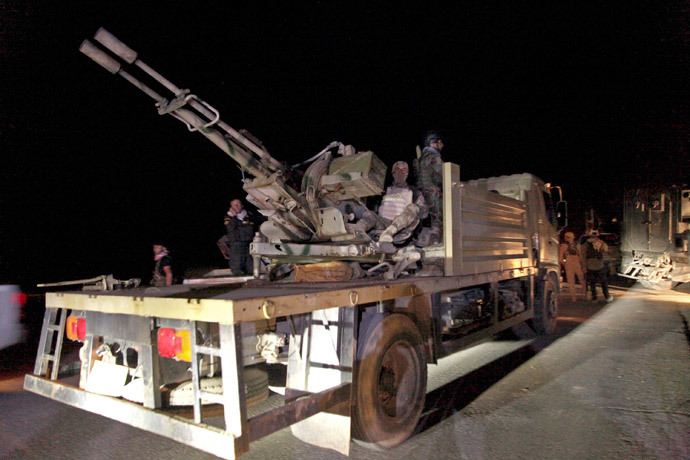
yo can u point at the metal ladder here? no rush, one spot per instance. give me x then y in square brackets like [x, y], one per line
[53, 322]
[233, 396]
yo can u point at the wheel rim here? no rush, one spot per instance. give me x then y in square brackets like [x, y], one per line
[397, 380]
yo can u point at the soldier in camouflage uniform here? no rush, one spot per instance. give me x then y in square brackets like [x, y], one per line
[429, 172]
[399, 212]
[402, 206]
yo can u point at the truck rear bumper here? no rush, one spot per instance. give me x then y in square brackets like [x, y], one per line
[200, 436]
[298, 407]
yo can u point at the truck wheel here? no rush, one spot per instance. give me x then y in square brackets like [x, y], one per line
[390, 382]
[545, 310]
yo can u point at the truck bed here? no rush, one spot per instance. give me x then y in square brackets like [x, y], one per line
[260, 300]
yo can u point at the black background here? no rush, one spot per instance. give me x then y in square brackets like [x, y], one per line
[592, 96]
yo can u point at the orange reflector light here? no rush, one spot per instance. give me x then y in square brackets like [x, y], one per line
[185, 351]
[76, 328]
[175, 344]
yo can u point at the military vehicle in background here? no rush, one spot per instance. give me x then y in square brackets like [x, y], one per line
[654, 236]
[355, 320]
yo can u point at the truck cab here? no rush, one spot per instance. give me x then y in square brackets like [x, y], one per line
[543, 216]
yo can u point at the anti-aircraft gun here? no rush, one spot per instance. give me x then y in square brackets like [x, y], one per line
[307, 211]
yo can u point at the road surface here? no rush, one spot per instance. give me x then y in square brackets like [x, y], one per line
[613, 382]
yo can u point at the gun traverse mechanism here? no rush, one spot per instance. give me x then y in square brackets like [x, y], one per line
[307, 211]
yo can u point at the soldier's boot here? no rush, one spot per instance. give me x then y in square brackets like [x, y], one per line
[405, 219]
[388, 234]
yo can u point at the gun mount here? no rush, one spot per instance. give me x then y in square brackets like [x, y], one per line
[308, 212]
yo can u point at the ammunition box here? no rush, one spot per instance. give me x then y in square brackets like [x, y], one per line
[355, 176]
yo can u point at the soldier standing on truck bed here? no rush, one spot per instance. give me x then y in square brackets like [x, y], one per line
[162, 270]
[240, 225]
[429, 173]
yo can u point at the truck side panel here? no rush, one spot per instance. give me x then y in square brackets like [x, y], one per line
[484, 231]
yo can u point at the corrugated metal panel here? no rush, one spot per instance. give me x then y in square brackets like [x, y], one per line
[494, 231]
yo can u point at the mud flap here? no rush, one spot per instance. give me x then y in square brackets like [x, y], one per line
[321, 356]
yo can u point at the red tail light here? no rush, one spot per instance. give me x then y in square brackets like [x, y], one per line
[76, 328]
[19, 298]
[174, 344]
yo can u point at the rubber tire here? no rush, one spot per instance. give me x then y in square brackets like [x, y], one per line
[393, 345]
[545, 310]
[661, 285]
[255, 387]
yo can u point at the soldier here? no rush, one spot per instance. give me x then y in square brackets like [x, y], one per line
[399, 211]
[402, 205]
[240, 226]
[162, 270]
[571, 259]
[593, 251]
[429, 172]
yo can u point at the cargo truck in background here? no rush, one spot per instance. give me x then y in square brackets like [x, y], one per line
[654, 236]
[355, 346]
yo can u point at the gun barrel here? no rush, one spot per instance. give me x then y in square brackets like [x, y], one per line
[128, 55]
[228, 145]
[253, 158]
[99, 57]
[118, 48]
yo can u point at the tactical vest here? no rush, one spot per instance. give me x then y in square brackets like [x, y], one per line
[594, 258]
[394, 202]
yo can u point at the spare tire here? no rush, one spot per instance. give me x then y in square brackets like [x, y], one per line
[255, 388]
[660, 285]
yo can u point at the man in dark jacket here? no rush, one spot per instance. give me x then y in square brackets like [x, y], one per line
[593, 251]
[241, 226]
[162, 270]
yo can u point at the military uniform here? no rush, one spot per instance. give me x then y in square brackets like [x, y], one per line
[569, 255]
[429, 173]
[593, 251]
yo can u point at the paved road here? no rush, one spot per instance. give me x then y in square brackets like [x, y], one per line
[611, 383]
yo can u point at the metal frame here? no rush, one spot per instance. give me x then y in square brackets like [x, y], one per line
[229, 443]
[198, 435]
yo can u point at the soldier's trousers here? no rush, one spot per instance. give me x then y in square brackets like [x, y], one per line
[573, 268]
[432, 197]
[598, 276]
[240, 261]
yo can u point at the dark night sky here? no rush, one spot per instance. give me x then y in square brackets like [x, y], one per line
[593, 98]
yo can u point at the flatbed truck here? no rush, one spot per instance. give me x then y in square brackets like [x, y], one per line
[356, 350]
